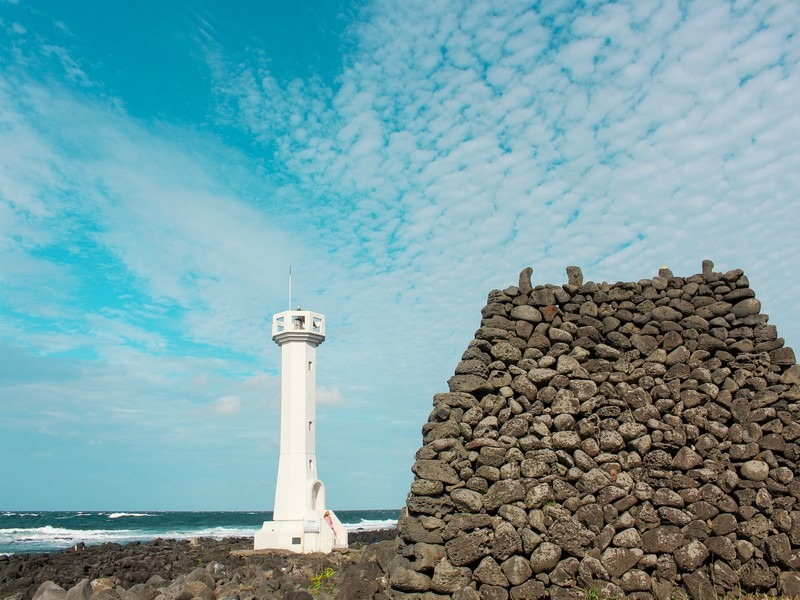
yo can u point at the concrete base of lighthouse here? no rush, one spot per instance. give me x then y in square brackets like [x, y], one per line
[302, 536]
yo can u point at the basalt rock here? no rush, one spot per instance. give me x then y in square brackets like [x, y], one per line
[207, 569]
[637, 438]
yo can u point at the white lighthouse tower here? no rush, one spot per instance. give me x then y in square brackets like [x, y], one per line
[300, 521]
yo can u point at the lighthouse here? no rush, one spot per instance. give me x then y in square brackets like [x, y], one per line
[300, 521]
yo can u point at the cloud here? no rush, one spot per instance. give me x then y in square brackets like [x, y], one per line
[329, 397]
[260, 383]
[228, 405]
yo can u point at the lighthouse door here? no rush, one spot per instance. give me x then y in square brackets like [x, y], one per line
[317, 496]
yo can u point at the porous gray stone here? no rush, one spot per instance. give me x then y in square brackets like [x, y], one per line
[490, 573]
[404, 578]
[503, 492]
[593, 481]
[572, 536]
[466, 500]
[83, 591]
[50, 590]
[747, 307]
[635, 580]
[524, 285]
[530, 590]
[620, 560]
[699, 586]
[755, 470]
[469, 548]
[517, 570]
[545, 557]
[664, 539]
[506, 542]
[448, 578]
[574, 276]
[756, 574]
[525, 312]
[789, 584]
[691, 556]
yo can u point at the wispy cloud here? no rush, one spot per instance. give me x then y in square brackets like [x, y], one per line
[228, 405]
[329, 397]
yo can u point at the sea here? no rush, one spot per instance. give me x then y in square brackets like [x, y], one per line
[28, 532]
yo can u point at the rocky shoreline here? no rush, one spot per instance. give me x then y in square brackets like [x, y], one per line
[200, 568]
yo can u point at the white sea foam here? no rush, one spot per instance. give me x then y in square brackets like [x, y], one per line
[124, 514]
[33, 538]
[371, 525]
[216, 533]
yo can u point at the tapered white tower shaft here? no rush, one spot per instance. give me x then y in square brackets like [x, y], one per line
[298, 333]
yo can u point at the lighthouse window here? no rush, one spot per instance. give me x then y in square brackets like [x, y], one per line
[309, 425]
[309, 464]
[309, 365]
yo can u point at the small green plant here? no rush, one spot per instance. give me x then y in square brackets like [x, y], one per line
[318, 580]
[592, 594]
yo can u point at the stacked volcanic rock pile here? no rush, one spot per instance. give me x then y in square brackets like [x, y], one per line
[633, 440]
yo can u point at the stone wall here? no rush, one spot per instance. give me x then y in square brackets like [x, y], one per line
[633, 440]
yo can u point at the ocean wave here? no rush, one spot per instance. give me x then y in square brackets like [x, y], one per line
[371, 525]
[61, 537]
[33, 539]
[123, 514]
[216, 533]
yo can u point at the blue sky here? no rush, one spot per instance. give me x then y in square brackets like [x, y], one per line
[162, 164]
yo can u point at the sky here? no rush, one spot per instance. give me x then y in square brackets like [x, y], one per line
[164, 164]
